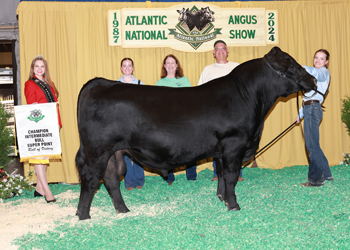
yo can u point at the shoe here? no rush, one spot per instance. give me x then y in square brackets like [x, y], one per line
[54, 200]
[37, 194]
[170, 183]
[139, 187]
[240, 178]
[130, 189]
[215, 179]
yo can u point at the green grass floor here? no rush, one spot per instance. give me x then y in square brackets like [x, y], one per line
[276, 213]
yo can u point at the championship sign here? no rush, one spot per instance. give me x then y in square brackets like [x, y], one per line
[37, 132]
[192, 27]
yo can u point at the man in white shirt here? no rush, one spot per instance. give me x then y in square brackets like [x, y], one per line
[222, 66]
[218, 69]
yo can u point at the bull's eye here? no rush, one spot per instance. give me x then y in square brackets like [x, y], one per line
[291, 65]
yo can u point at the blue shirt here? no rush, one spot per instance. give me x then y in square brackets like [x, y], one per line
[323, 78]
[134, 80]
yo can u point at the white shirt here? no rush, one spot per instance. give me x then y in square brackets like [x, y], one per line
[216, 70]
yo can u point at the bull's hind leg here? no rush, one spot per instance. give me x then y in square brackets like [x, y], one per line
[89, 184]
[221, 184]
[115, 169]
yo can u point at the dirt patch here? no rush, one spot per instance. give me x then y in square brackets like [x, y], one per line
[34, 215]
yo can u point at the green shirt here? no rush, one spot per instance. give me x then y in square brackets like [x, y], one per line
[173, 82]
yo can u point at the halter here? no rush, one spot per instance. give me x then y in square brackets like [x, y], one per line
[282, 74]
[276, 71]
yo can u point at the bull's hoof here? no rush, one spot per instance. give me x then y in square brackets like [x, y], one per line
[122, 210]
[235, 208]
[220, 197]
[82, 217]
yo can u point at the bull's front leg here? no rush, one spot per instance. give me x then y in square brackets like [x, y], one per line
[230, 176]
[89, 184]
[116, 168]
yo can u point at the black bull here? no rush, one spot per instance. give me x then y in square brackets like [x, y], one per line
[164, 128]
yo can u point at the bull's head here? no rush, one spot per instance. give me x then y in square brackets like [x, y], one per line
[207, 14]
[183, 14]
[285, 66]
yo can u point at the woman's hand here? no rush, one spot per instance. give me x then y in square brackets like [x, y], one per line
[297, 119]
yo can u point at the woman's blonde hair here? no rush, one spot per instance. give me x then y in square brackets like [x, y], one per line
[47, 77]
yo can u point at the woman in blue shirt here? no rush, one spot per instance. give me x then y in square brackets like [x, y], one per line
[312, 113]
[135, 175]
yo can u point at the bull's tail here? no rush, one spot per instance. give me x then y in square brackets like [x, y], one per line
[80, 157]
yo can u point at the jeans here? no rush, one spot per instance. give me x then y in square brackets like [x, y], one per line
[191, 174]
[319, 168]
[135, 175]
[216, 175]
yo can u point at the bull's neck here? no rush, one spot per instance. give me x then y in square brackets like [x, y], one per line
[268, 91]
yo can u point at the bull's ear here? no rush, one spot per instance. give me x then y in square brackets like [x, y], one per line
[274, 50]
[272, 53]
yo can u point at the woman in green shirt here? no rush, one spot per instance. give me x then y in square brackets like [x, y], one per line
[172, 76]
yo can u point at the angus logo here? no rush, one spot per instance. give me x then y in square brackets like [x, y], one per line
[35, 116]
[194, 26]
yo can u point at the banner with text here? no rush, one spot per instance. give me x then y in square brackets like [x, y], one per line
[192, 27]
[38, 132]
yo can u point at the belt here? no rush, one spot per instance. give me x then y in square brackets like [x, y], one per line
[311, 101]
